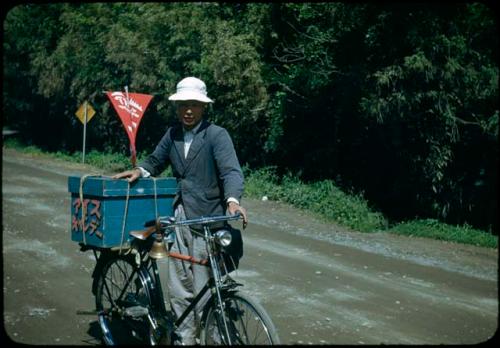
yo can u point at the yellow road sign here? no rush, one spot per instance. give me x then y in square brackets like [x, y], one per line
[81, 112]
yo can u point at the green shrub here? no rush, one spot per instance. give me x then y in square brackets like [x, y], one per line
[323, 198]
[430, 228]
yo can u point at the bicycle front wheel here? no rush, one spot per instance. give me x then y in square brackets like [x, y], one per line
[247, 322]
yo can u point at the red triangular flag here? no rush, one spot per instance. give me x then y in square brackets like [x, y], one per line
[130, 107]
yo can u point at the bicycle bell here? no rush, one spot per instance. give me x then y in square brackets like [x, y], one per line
[159, 248]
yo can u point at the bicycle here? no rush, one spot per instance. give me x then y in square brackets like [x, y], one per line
[129, 295]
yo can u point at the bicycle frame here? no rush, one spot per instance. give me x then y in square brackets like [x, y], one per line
[129, 294]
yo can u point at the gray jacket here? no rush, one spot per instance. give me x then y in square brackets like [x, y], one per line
[208, 176]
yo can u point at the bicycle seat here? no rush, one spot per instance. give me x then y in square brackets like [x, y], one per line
[143, 234]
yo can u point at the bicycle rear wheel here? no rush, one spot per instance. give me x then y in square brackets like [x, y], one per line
[123, 299]
[248, 323]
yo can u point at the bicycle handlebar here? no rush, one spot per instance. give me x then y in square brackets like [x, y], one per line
[167, 221]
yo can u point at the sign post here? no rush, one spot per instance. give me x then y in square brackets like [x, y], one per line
[84, 114]
[84, 132]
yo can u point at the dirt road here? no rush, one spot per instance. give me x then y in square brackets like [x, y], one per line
[320, 283]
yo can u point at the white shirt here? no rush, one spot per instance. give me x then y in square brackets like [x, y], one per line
[188, 140]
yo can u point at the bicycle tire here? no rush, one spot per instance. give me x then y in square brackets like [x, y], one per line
[113, 278]
[248, 322]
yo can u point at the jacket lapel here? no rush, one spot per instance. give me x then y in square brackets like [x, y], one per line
[178, 138]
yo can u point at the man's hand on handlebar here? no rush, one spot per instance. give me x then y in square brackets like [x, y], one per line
[130, 175]
[234, 208]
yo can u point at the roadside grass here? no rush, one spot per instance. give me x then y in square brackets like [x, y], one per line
[353, 211]
[322, 198]
[431, 228]
[109, 161]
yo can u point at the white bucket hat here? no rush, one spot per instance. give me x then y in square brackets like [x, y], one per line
[191, 88]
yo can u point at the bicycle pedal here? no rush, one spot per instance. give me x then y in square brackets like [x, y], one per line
[136, 311]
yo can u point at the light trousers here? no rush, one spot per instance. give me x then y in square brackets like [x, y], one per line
[186, 279]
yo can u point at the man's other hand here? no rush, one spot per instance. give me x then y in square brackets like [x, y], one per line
[234, 207]
[130, 175]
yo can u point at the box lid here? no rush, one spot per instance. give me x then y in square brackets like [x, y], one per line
[106, 187]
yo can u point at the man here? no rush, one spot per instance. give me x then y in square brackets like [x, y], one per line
[210, 182]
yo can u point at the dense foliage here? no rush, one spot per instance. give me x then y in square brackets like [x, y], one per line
[396, 102]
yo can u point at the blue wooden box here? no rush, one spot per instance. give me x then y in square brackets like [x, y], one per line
[105, 202]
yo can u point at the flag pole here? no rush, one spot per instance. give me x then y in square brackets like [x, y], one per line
[132, 152]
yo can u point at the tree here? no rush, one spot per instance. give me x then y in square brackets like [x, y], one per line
[438, 93]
